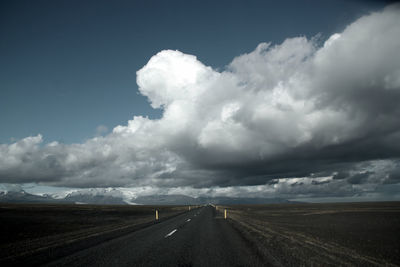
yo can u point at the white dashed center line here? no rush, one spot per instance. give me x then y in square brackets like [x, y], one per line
[172, 232]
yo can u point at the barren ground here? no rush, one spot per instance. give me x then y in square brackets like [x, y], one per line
[345, 234]
[34, 229]
[322, 234]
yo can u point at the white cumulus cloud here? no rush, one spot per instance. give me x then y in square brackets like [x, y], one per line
[286, 110]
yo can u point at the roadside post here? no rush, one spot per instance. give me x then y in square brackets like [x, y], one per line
[225, 214]
[156, 215]
[189, 208]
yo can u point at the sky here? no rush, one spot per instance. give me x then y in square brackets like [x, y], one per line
[296, 99]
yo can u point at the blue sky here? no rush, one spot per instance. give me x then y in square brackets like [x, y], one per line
[69, 66]
[293, 99]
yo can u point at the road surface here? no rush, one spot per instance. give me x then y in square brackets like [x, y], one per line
[199, 237]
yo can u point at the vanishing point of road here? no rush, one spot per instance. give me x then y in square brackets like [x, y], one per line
[199, 237]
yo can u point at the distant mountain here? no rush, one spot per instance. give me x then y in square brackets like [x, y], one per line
[116, 197]
[242, 200]
[94, 199]
[166, 200]
[78, 197]
[186, 200]
[24, 197]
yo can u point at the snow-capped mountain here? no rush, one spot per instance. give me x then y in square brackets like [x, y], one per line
[23, 197]
[97, 196]
[89, 196]
[113, 196]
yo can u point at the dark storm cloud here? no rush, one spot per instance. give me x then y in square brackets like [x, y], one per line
[340, 175]
[358, 178]
[319, 183]
[295, 110]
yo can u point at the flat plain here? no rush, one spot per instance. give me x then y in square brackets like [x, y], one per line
[365, 234]
[338, 234]
[40, 232]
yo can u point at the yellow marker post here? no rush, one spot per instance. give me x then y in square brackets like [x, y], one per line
[156, 215]
[225, 214]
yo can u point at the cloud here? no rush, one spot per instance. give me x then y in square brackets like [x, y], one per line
[101, 130]
[297, 109]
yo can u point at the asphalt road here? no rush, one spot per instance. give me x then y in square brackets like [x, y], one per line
[199, 237]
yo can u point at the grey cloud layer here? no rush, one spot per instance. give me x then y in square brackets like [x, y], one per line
[298, 109]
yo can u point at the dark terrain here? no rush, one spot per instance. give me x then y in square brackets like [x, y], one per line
[348, 234]
[39, 232]
[365, 234]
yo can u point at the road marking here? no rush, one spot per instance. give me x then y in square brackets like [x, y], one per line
[188, 220]
[172, 232]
